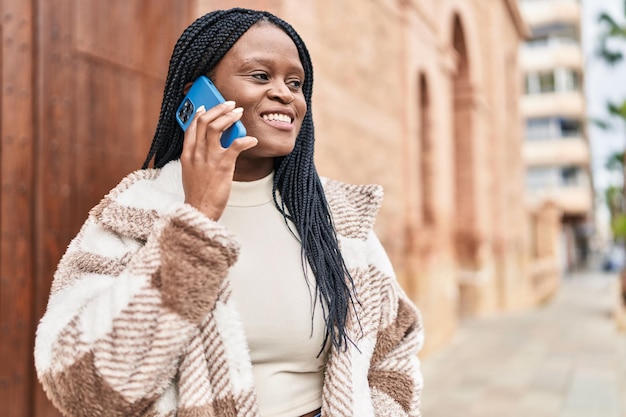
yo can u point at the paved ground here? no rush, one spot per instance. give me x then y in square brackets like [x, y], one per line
[565, 359]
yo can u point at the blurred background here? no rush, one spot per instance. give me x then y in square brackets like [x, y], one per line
[495, 126]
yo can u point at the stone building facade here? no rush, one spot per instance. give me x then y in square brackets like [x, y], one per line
[423, 98]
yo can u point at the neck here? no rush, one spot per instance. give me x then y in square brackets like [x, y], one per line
[252, 170]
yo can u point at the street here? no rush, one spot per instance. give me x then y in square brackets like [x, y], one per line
[564, 359]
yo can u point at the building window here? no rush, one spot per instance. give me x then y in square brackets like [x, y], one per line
[541, 177]
[570, 127]
[427, 172]
[540, 128]
[571, 176]
[557, 80]
[540, 82]
[545, 128]
[567, 79]
[538, 178]
[553, 34]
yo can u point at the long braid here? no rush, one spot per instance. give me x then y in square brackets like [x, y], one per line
[302, 200]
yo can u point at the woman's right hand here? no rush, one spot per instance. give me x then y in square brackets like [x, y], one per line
[208, 168]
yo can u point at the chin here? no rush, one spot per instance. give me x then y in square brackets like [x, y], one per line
[283, 153]
[282, 149]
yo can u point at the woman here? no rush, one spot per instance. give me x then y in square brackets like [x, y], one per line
[232, 282]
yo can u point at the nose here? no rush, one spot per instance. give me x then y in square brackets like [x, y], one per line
[281, 92]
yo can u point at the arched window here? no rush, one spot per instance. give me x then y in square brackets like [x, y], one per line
[426, 162]
[463, 163]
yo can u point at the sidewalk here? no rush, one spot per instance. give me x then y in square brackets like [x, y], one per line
[565, 359]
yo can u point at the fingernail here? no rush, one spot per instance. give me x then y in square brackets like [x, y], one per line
[229, 103]
[238, 110]
[201, 108]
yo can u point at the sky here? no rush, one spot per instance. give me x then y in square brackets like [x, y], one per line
[602, 83]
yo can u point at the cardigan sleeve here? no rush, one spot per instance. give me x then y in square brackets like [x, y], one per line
[121, 312]
[394, 376]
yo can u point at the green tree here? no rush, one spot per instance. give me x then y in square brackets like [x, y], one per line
[610, 49]
[612, 36]
[614, 198]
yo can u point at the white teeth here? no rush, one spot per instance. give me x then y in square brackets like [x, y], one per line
[277, 117]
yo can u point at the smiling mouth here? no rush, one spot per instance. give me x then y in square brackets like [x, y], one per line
[277, 117]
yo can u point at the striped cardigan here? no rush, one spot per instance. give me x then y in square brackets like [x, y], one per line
[140, 321]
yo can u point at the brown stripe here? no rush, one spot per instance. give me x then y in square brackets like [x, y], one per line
[191, 273]
[396, 385]
[406, 321]
[132, 222]
[225, 407]
[78, 262]
[205, 411]
[80, 392]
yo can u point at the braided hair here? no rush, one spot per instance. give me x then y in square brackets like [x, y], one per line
[199, 49]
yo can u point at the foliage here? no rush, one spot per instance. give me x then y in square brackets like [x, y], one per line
[618, 227]
[615, 162]
[611, 31]
[613, 198]
[610, 49]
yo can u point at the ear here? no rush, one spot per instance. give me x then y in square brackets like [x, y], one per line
[187, 87]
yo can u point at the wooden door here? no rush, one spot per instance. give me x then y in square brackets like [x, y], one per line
[82, 82]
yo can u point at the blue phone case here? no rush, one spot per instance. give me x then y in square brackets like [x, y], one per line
[203, 92]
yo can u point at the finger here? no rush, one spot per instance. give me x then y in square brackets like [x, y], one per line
[216, 128]
[220, 109]
[207, 133]
[240, 145]
[190, 138]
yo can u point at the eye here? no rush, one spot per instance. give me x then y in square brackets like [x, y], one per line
[295, 85]
[260, 76]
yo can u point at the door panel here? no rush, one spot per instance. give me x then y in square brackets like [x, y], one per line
[82, 86]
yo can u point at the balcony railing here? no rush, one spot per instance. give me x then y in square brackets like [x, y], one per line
[571, 200]
[544, 11]
[557, 152]
[567, 104]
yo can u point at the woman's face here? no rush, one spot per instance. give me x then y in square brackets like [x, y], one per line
[263, 74]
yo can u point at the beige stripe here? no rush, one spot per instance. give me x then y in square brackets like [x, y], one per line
[141, 351]
[215, 357]
[353, 207]
[368, 308]
[247, 403]
[337, 391]
[195, 387]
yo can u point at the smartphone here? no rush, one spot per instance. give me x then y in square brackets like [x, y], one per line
[203, 92]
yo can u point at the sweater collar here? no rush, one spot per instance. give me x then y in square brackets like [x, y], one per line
[251, 193]
[138, 201]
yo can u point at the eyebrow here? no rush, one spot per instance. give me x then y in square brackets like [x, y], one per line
[269, 62]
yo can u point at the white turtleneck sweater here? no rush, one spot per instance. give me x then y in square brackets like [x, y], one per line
[275, 303]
